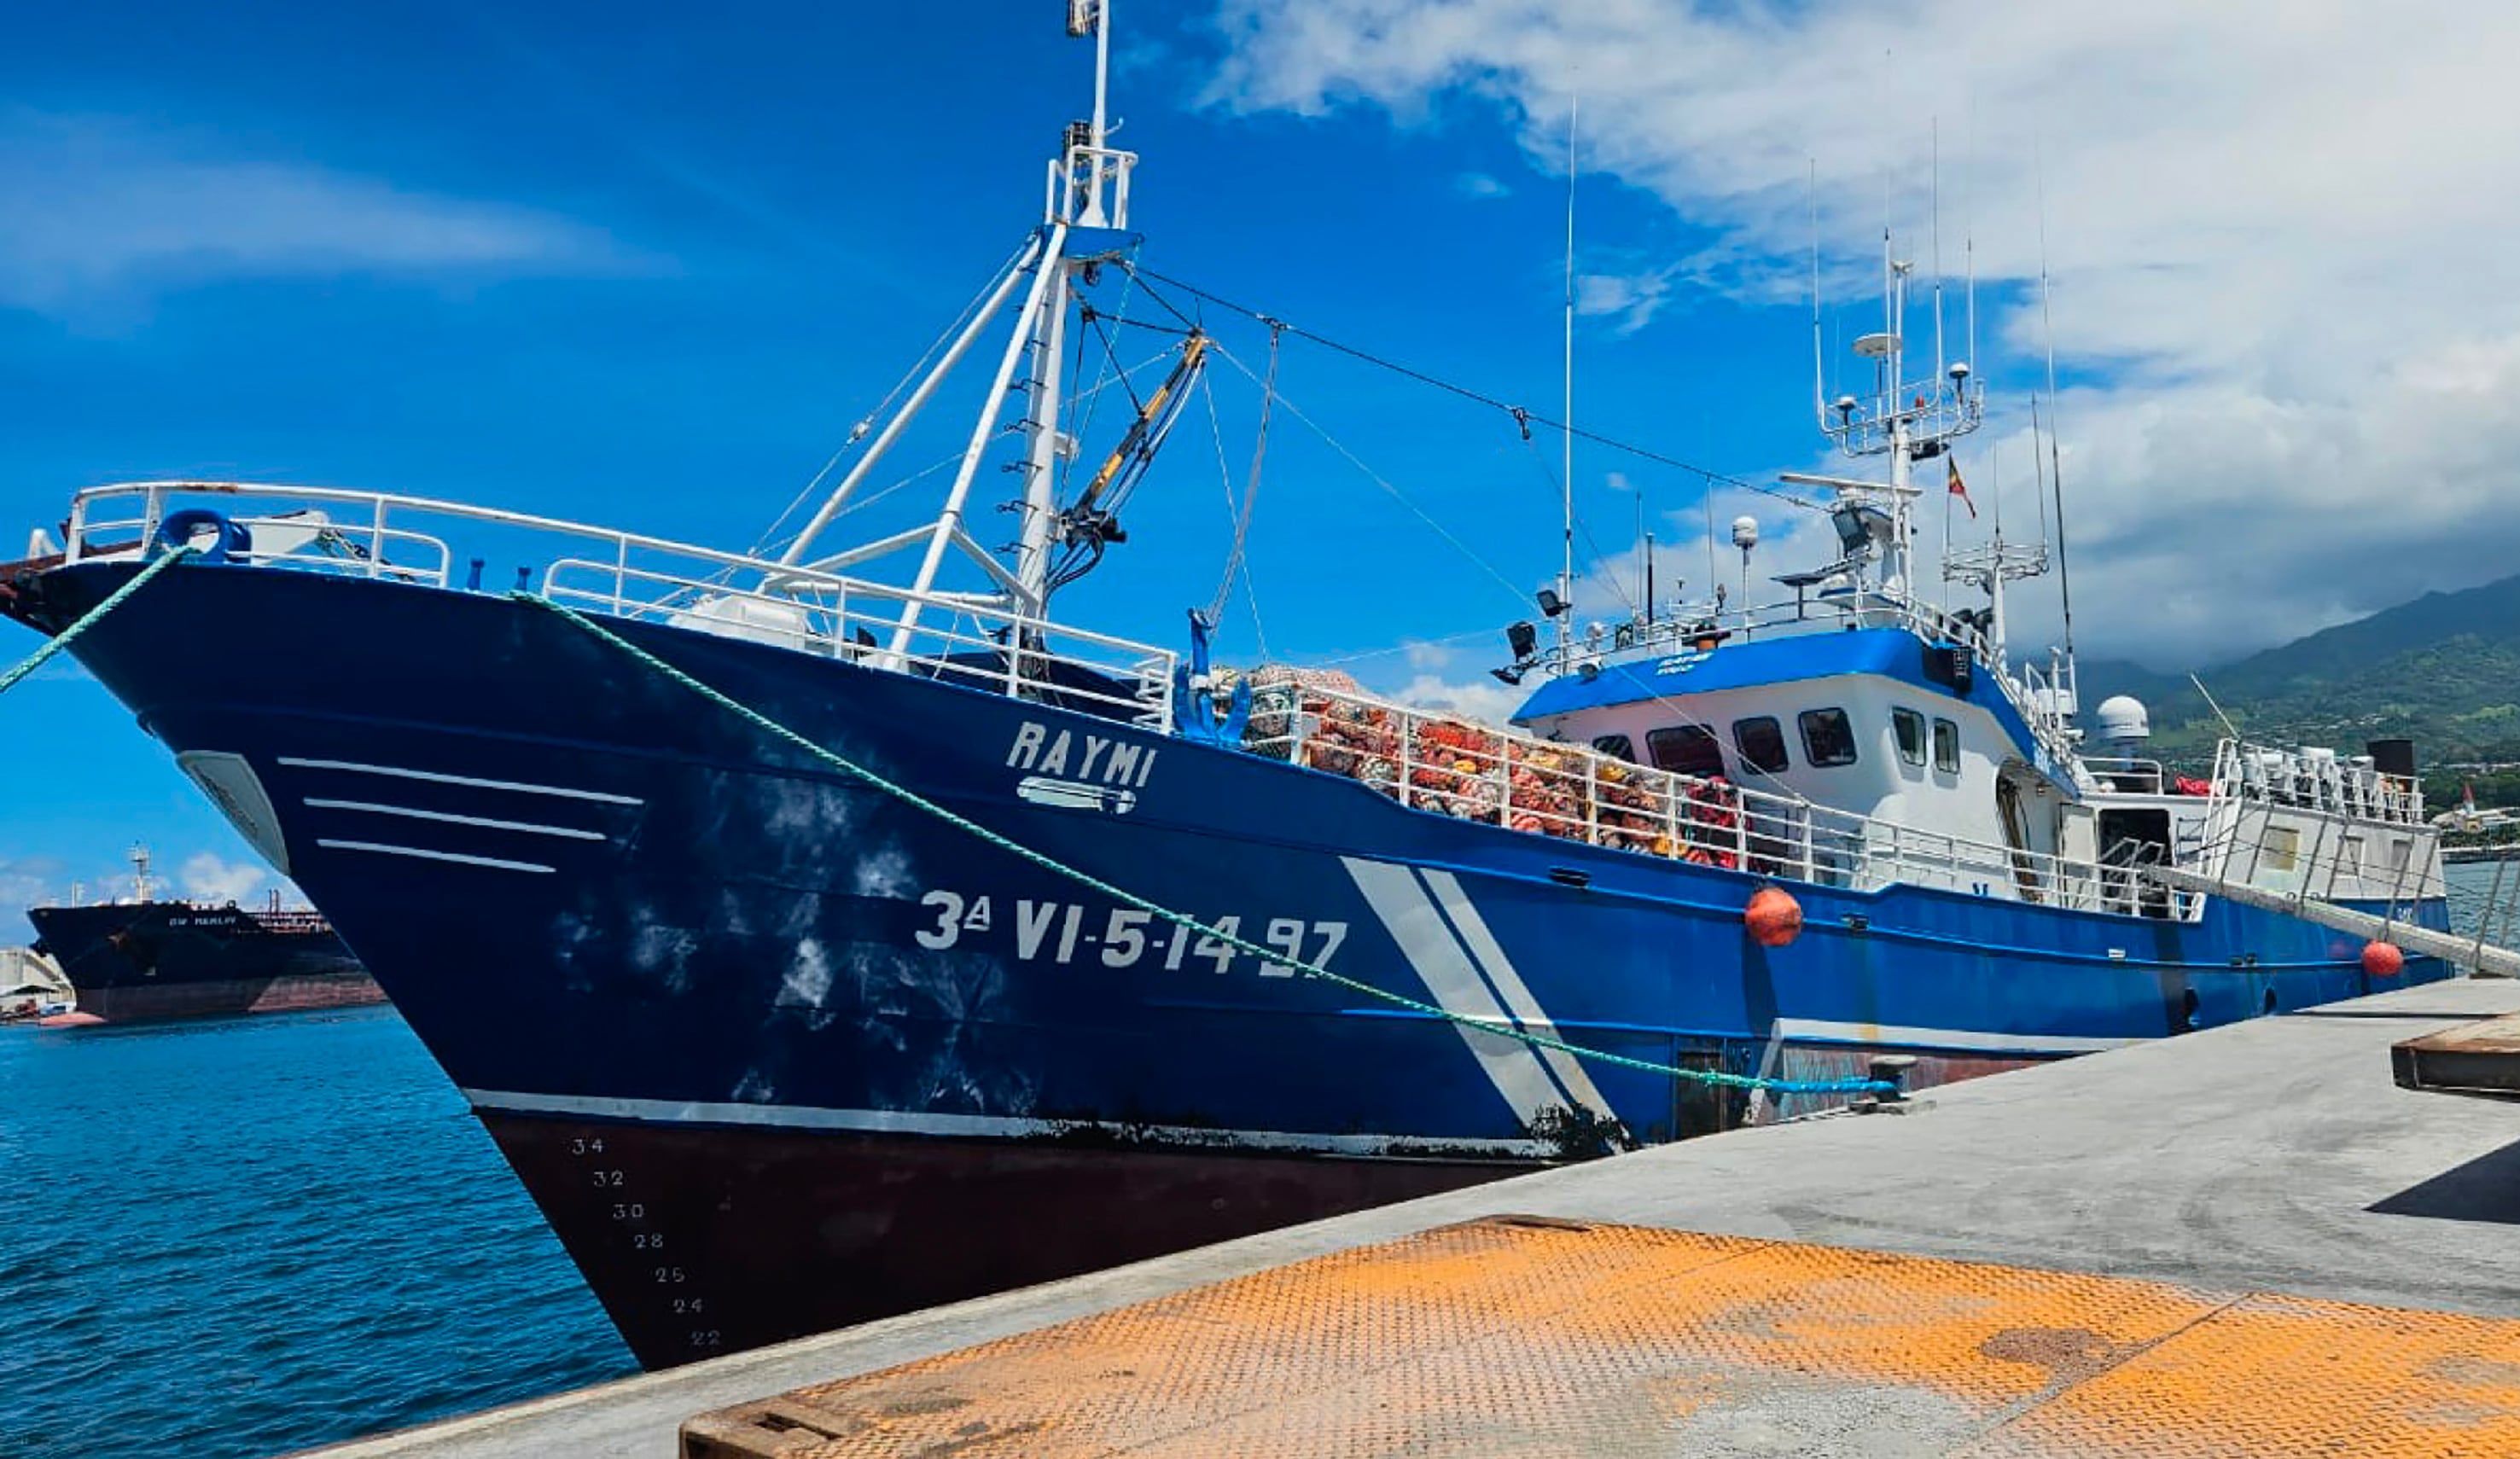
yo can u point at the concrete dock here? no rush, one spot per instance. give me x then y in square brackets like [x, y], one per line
[2240, 1167]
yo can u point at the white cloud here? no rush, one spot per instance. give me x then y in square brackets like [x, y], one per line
[105, 214]
[1426, 657]
[1485, 699]
[2276, 233]
[28, 881]
[1480, 185]
[207, 876]
[1631, 301]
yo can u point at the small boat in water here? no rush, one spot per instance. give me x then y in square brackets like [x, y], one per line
[864, 942]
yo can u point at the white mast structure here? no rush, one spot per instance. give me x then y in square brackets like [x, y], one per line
[1909, 421]
[1084, 214]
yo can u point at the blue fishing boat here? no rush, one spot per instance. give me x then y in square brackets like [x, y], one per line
[819, 944]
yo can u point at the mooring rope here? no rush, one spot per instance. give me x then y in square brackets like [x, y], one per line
[114, 600]
[1273, 955]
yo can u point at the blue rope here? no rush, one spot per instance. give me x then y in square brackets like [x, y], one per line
[60, 641]
[1182, 920]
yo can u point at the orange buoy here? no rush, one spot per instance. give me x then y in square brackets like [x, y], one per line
[1773, 917]
[2383, 960]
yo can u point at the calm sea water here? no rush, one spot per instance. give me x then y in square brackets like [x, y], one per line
[239, 1236]
[2472, 887]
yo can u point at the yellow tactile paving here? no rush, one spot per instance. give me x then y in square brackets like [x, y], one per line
[2281, 1375]
[1531, 1339]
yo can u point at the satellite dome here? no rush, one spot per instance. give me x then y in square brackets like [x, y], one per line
[2122, 717]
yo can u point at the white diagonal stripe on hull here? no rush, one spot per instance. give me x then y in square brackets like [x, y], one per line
[529, 827]
[496, 863]
[441, 777]
[1409, 914]
[1490, 957]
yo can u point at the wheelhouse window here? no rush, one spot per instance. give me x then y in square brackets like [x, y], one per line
[1617, 748]
[1762, 743]
[1947, 745]
[1828, 736]
[1908, 728]
[1689, 749]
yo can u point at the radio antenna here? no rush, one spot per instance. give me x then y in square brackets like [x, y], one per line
[2055, 457]
[1566, 437]
[1819, 368]
[1935, 229]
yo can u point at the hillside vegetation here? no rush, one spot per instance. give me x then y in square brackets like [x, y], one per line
[2443, 669]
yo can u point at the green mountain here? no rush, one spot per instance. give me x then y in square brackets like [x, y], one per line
[2443, 669]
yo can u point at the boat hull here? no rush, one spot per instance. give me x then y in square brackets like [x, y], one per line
[710, 1240]
[142, 961]
[607, 905]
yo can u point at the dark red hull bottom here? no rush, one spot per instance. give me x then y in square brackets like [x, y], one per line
[705, 1241]
[283, 995]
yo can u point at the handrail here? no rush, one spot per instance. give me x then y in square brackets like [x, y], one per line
[2322, 782]
[1449, 766]
[1682, 628]
[637, 576]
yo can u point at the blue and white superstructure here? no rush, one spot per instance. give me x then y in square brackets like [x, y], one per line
[776, 1050]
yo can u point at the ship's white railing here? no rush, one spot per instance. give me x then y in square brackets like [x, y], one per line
[970, 642]
[1443, 764]
[967, 639]
[2129, 775]
[2317, 779]
[2040, 701]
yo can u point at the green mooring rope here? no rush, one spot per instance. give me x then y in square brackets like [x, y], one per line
[114, 600]
[1189, 924]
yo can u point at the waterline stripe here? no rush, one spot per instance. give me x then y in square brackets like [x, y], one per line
[1825, 1030]
[994, 1127]
[450, 818]
[442, 778]
[459, 859]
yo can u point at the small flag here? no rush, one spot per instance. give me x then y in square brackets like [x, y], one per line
[1957, 490]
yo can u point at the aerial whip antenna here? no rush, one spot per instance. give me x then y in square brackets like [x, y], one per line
[2055, 458]
[1566, 437]
[1935, 228]
[1820, 369]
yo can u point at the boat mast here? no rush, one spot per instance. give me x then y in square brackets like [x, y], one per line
[1079, 195]
[1085, 213]
[1906, 421]
[1903, 487]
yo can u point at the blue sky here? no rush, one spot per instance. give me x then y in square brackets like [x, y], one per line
[643, 266]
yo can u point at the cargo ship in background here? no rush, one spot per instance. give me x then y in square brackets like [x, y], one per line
[150, 959]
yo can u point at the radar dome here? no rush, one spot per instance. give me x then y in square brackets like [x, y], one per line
[2122, 717]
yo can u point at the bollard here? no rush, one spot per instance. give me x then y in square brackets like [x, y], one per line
[1892, 1070]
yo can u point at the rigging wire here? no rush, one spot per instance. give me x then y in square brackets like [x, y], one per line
[1234, 565]
[1523, 418]
[1080, 410]
[1360, 655]
[1234, 562]
[866, 422]
[1370, 474]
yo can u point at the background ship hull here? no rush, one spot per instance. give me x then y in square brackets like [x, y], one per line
[169, 959]
[604, 904]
